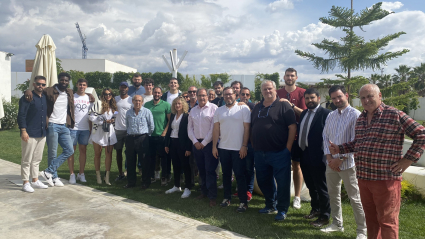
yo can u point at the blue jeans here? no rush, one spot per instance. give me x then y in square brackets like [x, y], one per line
[270, 166]
[207, 165]
[57, 134]
[80, 136]
[249, 172]
[230, 159]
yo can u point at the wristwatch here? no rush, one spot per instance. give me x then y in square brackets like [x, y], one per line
[341, 158]
[293, 105]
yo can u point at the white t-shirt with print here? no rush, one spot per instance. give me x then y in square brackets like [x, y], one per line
[123, 106]
[82, 106]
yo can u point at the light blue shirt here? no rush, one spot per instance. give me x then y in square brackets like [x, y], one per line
[339, 129]
[142, 123]
[132, 91]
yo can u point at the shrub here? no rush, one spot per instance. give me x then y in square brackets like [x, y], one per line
[409, 192]
[10, 119]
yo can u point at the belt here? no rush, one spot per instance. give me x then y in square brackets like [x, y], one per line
[135, 135]
[200, 140]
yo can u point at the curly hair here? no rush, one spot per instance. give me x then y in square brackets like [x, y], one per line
[112, 104]
[184, 105]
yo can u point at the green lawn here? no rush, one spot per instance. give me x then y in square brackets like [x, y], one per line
[250, 223]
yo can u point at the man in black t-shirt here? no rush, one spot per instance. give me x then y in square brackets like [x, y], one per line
[218, 87]
[273, 129]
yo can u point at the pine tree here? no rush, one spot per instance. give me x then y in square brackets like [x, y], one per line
[352, 52]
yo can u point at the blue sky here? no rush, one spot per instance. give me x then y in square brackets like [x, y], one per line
[237, 36]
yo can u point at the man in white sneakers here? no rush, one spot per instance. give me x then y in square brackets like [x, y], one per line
[81, 132]
[31, 116]
[148, 95]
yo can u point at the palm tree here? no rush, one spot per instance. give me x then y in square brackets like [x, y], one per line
[403, 74]
[374, 78]
[419, 72]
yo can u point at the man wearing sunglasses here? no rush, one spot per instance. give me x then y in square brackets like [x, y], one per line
[295, 97]
[193, 101]
[273, 129]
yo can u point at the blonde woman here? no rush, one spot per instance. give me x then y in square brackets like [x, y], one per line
[102, 114]
[179, 146]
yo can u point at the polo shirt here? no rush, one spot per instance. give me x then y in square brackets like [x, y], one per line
[159, 113]
[32, 115]
[296, 97]
[269, 125]
[132, 91]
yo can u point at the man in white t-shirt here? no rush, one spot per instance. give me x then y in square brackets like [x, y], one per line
[231, 125]
[148, 96]
[173, 93]
[81, 132]
[124, 103]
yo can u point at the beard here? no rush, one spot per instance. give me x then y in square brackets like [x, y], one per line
[312, 105]
[137, 84]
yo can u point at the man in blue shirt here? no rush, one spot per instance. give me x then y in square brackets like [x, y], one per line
[136, 88]
[32, 123]
[140, 125]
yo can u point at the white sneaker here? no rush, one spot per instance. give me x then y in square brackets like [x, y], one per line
[297, 203]
[82, 178]
[48, 177]
[27, 188]
[39, 184]
[157, 175]
[221, 186]
[361, 236]
[72, 179]
[186, 193]
[332, 228]
[174, 189]
[58, 182]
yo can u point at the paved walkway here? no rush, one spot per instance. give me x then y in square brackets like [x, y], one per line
[77, 211]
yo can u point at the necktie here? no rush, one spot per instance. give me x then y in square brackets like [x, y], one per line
[304, 132]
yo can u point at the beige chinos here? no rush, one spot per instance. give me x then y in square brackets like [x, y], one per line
[32, 153]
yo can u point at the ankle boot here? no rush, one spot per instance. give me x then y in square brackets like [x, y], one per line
[107, 178]
[98, 177]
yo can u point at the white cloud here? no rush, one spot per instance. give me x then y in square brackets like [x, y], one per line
[391, 6]
[279, 5]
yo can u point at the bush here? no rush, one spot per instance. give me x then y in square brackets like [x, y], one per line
[10, 119]
[409, 192]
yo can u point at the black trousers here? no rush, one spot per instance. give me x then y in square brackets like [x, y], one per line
[180, 164]
[314, 172]
[137, 146]
[157, 147]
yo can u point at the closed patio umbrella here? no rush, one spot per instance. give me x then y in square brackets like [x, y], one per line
[45, 61]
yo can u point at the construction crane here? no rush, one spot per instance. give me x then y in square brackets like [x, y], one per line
[83, 40]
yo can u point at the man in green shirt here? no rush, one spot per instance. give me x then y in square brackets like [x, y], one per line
[161, 111]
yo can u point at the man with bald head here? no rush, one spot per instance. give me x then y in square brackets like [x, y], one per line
[378, 145]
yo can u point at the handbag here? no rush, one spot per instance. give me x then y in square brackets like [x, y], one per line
[105, 126]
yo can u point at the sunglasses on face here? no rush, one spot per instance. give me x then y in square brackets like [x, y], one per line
[244, 94]
[40, 84]
[192, 92]
[107, 94]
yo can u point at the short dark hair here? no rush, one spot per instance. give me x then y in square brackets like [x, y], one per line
[245, 88]
[291, 70]
[310, 91]
[228, 88]
[148, 81]
[157, 87]
[39, 78]
[336, 88]
[218, 83]
[237, 82]
[136, 75]
[174, 78]
[81, 80]
[64, 74]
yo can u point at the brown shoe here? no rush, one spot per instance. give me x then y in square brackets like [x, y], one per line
[202, 196]
[313, 214]
[213, 203]
[320, 222]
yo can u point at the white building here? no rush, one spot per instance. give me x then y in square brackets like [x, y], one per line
[91, 65]
[5, 74]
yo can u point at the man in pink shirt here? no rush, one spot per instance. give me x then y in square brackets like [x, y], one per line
[200, 127]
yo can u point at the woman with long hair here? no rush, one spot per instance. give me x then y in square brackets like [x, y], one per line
[102, 114]
[179, 146]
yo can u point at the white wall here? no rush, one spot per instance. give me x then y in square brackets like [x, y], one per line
[91, 65]
[18, 78]
[113, 67]
[5, 73]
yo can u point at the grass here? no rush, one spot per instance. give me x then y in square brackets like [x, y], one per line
[250, 224]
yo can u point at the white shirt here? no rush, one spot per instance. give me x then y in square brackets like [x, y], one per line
[123, 106]
[82, 106]
[147, 98]
[171, 97]
[175, 126]
[232, 125]
[201, 123]
[60, 108]
[312, 112]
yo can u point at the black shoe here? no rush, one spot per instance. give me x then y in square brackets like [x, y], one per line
[129, 186]
[313, 214]
[225, 203]
[320, 222]
[144, 187]
[242, 207]
[120, 177]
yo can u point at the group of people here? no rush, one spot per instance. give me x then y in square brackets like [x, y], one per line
[201, 130]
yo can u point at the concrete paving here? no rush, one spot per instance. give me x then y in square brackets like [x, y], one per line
[77, 211]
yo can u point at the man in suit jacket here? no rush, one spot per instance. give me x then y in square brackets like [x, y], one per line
[313, 162]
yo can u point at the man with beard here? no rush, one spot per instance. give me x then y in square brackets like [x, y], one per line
[295, 97]
[219, 100]
[136, 88]
[313, 162]
[161, 112]
[124, 103]
[231, 125]
[339, 128]
[237, 86]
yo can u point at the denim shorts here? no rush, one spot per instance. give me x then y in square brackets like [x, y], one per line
[80, 136]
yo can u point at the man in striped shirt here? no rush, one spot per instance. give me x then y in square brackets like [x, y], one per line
[339, 128]
[378, 144]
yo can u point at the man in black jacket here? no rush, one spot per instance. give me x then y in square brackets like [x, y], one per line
[313, 161]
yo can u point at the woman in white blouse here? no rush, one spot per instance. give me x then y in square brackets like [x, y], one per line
[179, 146]
[102, 114]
